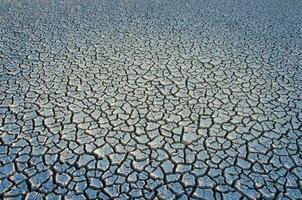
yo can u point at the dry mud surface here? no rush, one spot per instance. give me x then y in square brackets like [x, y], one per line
[130, 99]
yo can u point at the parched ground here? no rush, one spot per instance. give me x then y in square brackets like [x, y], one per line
[137, 99]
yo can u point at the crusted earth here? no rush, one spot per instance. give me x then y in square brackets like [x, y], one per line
[150, 99]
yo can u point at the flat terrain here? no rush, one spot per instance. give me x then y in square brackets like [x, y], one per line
[150, 99]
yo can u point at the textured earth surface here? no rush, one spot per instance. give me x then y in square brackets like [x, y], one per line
[150, 99]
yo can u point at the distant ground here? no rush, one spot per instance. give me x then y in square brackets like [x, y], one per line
[137, 99]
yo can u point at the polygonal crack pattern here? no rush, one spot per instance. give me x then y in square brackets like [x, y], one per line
[150, 99]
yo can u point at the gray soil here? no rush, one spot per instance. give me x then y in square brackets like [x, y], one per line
[149, 99]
